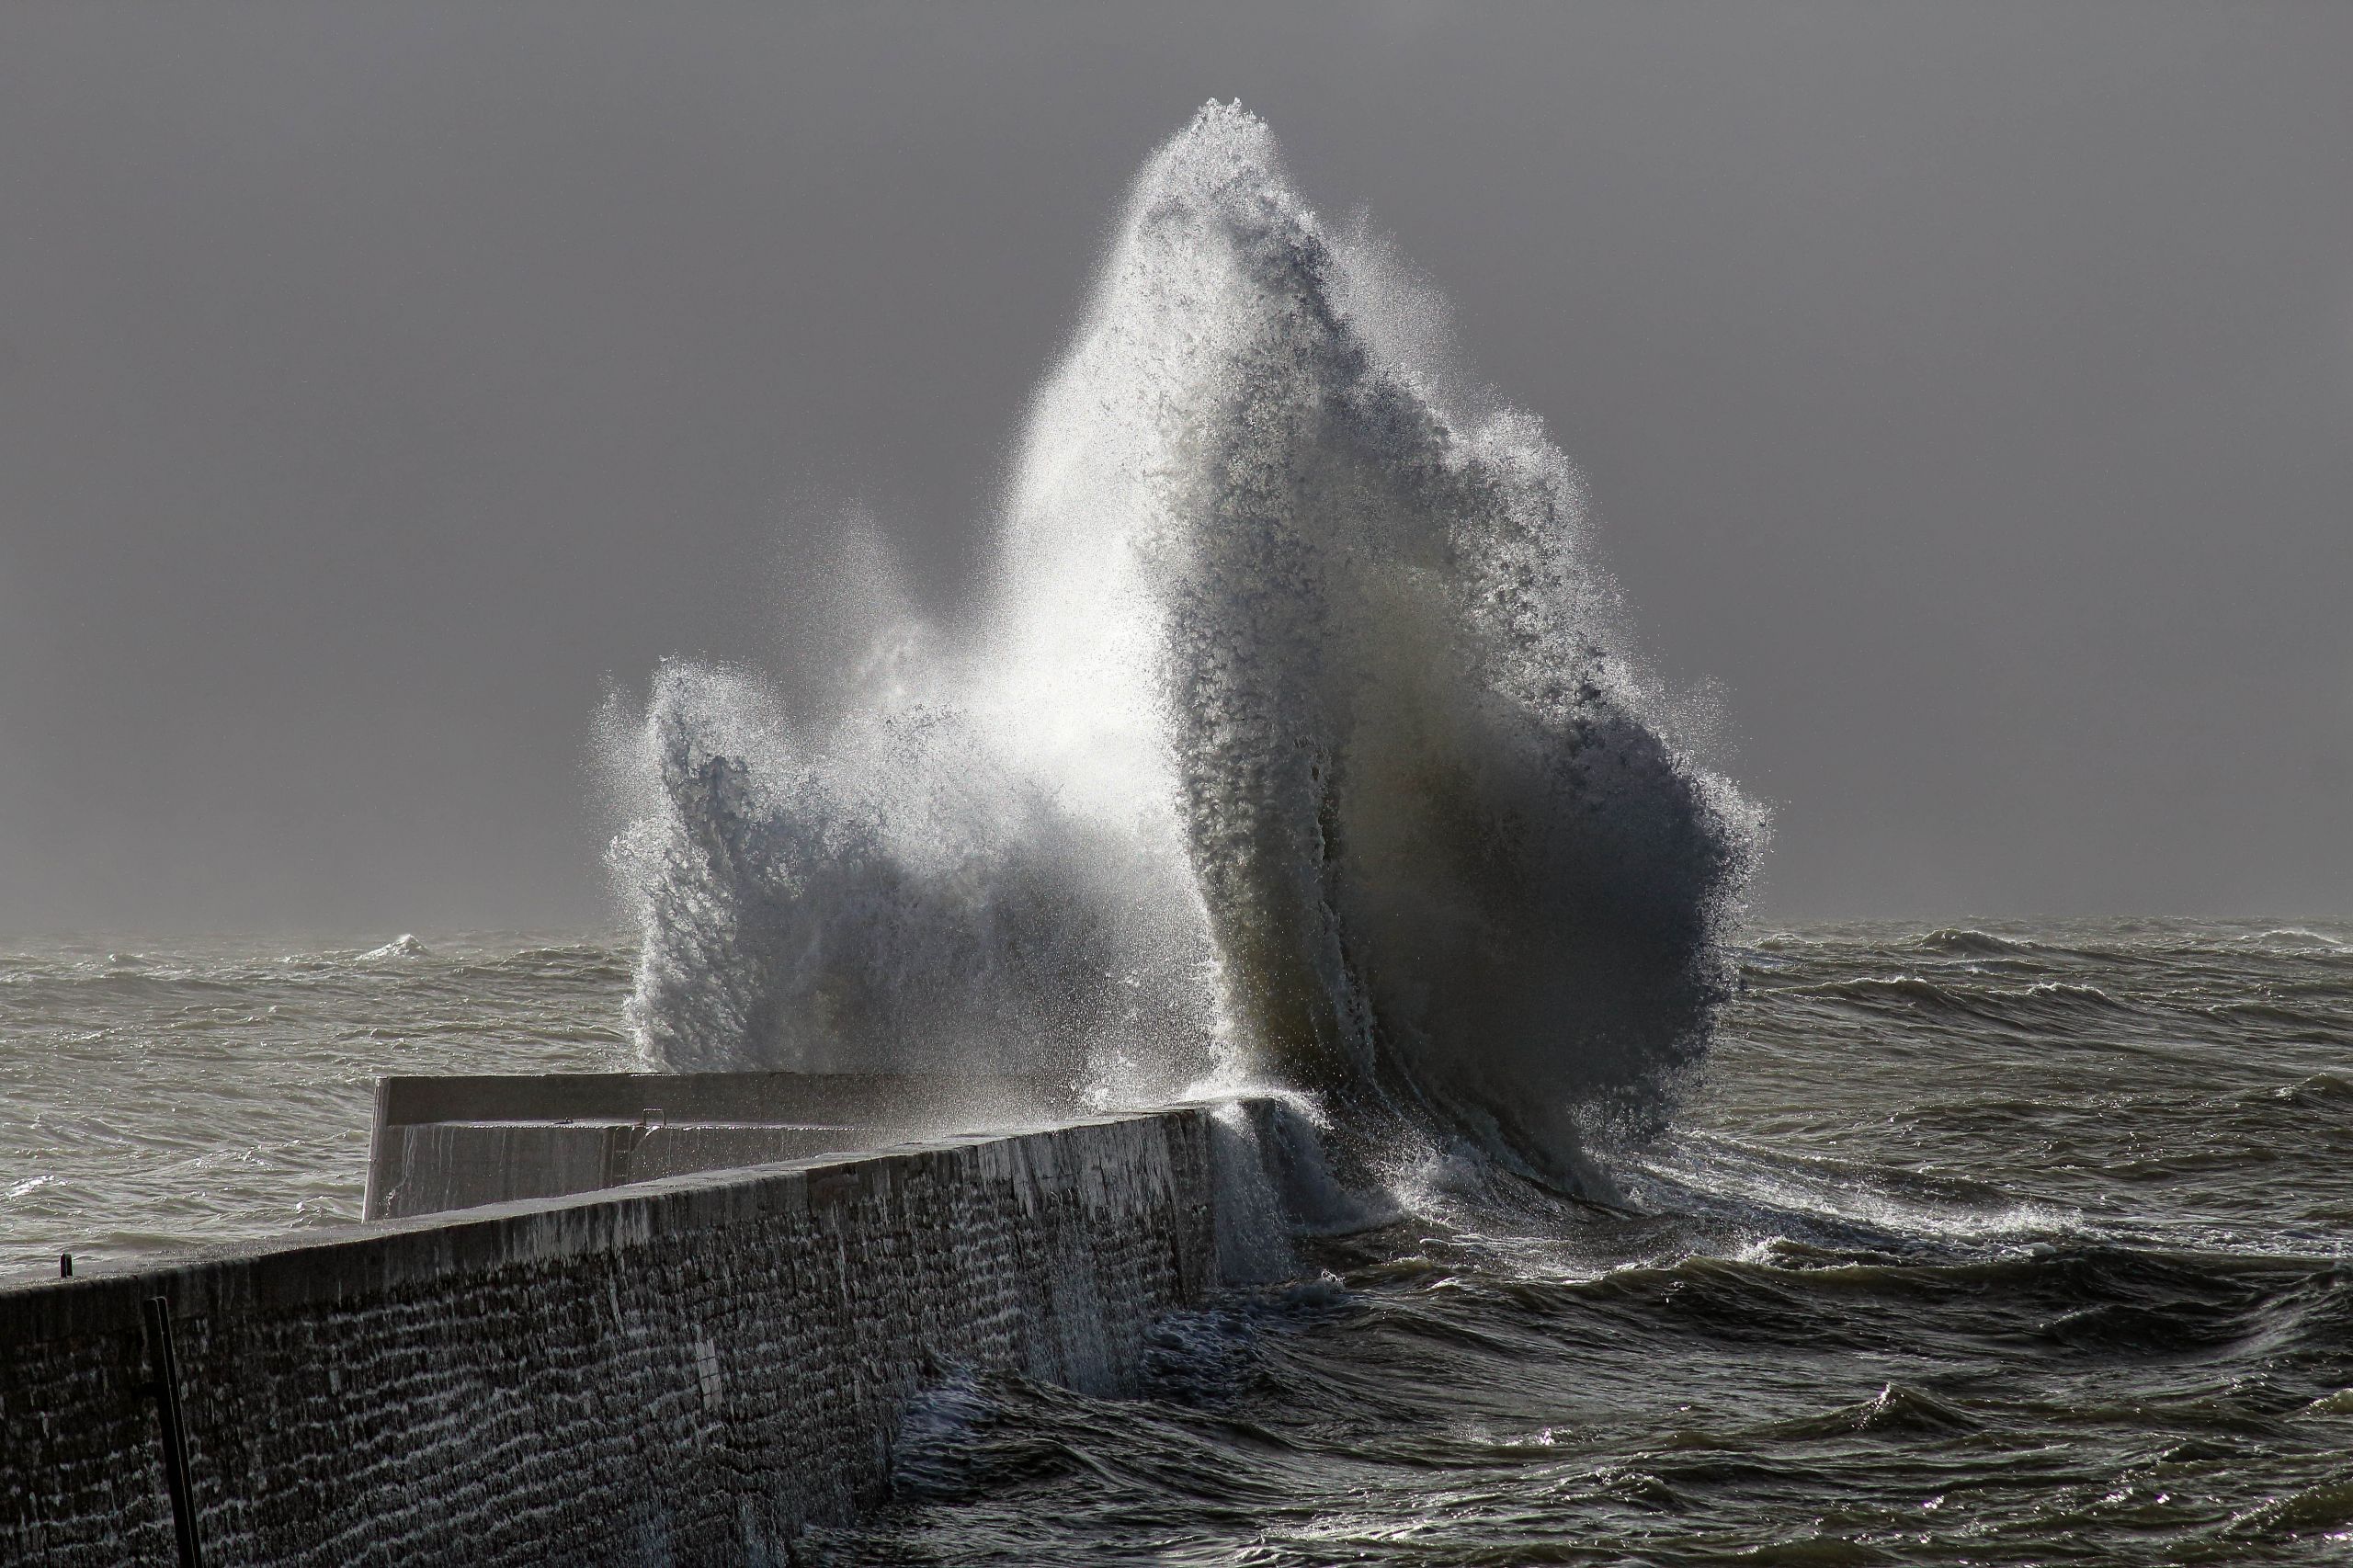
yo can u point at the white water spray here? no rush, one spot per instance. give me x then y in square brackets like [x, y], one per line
[1297, 744]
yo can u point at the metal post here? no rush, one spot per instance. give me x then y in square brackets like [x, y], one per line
[166, 1390]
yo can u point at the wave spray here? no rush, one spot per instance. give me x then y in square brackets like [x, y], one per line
[1296, 744]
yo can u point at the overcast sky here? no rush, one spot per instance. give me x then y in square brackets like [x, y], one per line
[1968, 387]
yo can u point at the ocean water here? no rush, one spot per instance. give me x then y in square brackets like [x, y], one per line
[2026, 1243]
[2019, 1243]
[158, 1094]
[1296, 738]
[1294, 734]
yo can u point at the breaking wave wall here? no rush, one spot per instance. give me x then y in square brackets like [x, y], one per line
[1298, 742]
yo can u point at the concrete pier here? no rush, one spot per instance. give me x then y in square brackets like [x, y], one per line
[687, 1369]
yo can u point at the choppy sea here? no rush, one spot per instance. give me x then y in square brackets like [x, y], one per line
[2018, 1242]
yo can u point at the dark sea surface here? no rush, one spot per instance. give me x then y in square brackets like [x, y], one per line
[154, 1094]
[2024, 1243]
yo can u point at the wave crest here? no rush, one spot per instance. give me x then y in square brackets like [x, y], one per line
[1300, 741]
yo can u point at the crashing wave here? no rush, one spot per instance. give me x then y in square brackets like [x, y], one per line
[1964, 942]
[2297, 939]
[405, 946]
[1298, 743]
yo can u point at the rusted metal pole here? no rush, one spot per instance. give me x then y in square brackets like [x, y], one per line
[166, 1389]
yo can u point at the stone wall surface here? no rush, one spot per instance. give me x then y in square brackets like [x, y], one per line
[683, 1371]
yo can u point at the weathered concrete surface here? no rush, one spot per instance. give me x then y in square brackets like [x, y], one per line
[857, 1100]
[429, 1167]
[454, 1142]
[685, 1371]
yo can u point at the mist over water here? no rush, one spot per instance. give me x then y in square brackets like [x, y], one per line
[1297, 741]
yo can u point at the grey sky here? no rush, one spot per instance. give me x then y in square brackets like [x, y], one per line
[1969, 387]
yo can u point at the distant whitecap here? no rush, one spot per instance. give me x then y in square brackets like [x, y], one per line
[405, 946]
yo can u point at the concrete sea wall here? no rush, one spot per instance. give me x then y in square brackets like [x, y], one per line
[458, 1142]
[685, 1371]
